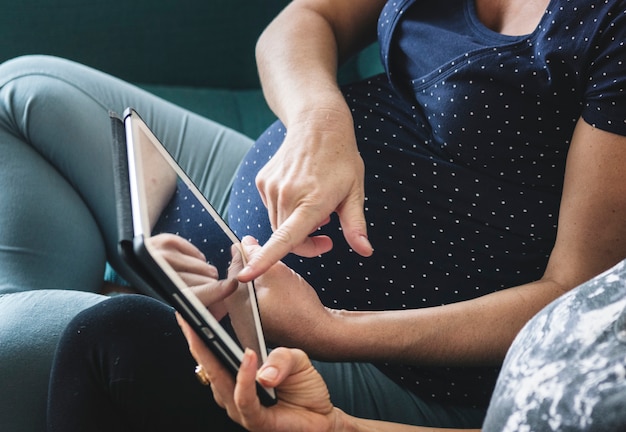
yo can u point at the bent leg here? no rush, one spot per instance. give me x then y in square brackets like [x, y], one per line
[56, 169]
[30, 324]
[124, 365]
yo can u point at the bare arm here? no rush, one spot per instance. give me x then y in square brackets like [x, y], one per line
[298, 53]
[303, 399]
[318, 169]
[354, 424]
[591, 237]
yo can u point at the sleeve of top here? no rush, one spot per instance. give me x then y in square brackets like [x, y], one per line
[605, 97]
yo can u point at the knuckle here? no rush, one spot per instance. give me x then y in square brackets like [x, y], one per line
[282, 236]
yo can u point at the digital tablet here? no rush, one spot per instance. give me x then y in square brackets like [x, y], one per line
[158, 189]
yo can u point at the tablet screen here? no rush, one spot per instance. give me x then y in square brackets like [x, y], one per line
[165, 200]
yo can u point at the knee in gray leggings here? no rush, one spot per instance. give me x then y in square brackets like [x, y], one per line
[29, 329]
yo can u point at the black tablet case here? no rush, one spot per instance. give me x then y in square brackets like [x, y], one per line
[135, 275]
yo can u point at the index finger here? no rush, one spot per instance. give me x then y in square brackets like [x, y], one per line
[292, 234]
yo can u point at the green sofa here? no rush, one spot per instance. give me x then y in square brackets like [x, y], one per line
[199, 54]
[196, 53]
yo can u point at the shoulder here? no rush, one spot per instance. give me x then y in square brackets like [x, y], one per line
[588, 19]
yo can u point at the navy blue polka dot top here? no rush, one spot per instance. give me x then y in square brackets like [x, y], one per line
[464, 139]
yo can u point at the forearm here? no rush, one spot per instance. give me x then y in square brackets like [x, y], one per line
[347, 423]
[297, 63]
[475, 332]
[591, 237]
[299, 52]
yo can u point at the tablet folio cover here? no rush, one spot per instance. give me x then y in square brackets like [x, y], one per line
[136, 276]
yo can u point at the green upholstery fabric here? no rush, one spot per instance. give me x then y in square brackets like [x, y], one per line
[243, 110]
[176, 42]
[191, 52]
[32, 320]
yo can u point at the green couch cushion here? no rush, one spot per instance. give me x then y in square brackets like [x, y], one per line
[207, 43]
[192, 43]
[196, 53]
[242, 110]
[245, 109]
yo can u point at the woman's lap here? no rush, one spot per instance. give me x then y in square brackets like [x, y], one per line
[130, 349]
[131, 370]
[361, 389]
[54, 114]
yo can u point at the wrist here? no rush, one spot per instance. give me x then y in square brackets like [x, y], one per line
[325, 109]
[342, 340]
[363, 336]
[343, 422]
[322, 131]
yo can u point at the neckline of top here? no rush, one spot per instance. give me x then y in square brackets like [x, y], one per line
[472, 15]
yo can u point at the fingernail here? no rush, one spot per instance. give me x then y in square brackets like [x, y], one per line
[366, 241]
[247, 358]
[179, 319]
[248, 240]
[244, 273]
[268, 374]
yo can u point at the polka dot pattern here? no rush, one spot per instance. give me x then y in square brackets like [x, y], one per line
[465, 150]
[185, 216]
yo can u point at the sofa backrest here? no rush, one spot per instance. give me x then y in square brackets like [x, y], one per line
[206, 43]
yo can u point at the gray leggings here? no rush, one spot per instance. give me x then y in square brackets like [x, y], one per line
[58, 212]
[57, 218]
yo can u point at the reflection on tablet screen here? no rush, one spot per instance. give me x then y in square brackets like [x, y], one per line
[171, 203]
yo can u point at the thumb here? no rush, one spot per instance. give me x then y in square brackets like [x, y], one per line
[250, 246]
[240, 253]
[280, 364]
[354, 226]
